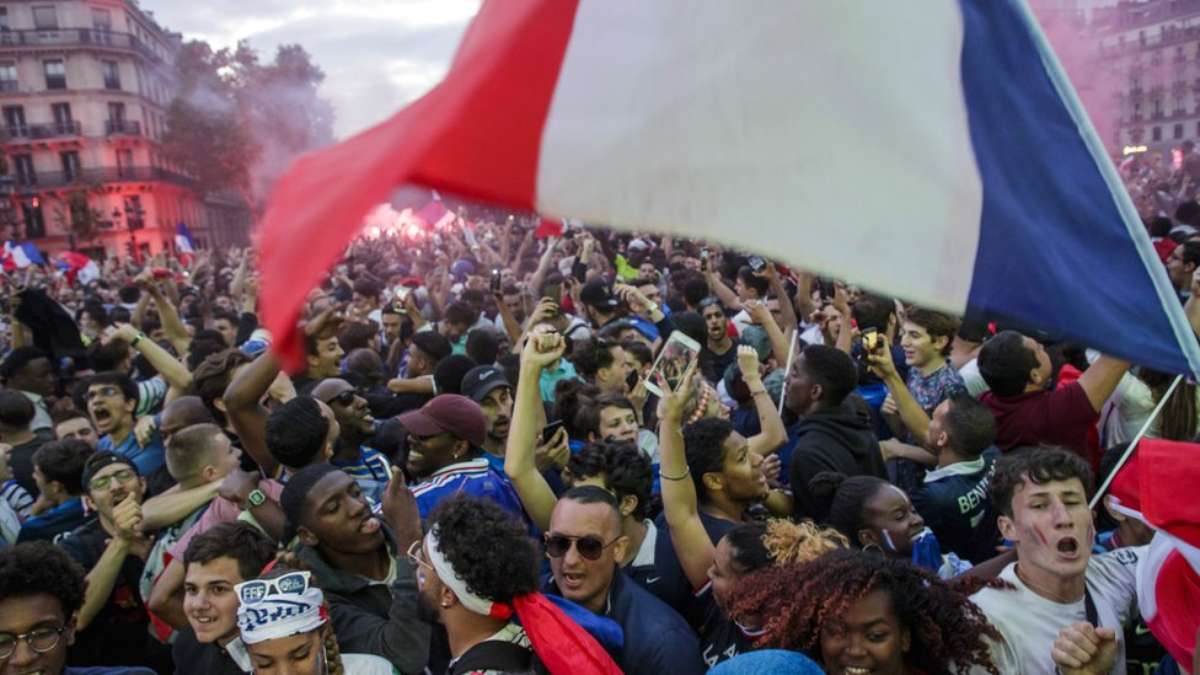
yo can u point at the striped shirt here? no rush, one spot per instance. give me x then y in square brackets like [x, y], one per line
[17, 497]
[473, 477]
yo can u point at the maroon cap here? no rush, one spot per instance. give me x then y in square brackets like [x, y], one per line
[448, 413]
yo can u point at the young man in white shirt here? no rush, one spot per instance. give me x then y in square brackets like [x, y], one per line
[1041, 496]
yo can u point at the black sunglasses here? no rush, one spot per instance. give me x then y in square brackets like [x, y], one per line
[589, 547]
[344, 398]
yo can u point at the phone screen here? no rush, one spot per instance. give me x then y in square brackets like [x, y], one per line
[673, 361]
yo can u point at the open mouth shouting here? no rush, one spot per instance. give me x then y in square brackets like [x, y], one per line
[1068, 548]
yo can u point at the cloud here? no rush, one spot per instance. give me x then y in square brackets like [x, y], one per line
[377, 54]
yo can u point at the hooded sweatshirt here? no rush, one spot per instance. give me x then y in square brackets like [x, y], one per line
[838, 439]
[373, 617]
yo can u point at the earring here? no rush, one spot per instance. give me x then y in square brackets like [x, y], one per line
[445, 605]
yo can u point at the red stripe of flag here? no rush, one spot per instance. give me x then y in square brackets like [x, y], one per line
[477, 134]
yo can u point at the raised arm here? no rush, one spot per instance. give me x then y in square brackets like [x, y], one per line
[773, 433]
[176, 332]
[780, 343]
[787, 312]
[539, 275]
[248, 417]
[680, 503]
[172, 369]
[541, 349]
[1101, 379]
[911, 413]
[719, 289]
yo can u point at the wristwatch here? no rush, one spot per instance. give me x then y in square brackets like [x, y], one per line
[256, 498]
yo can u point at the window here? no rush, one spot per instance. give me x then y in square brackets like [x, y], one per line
[134, 215]
[14, 120]
[101, 19]
[8, 76]
[63, 122]
[1156, 134]
[35, 224]
[112, 74]
[1177, 132]
[70, 165]
[56, 74]
[23, 167]
[124, 163]
[45, 18]
[4, 19]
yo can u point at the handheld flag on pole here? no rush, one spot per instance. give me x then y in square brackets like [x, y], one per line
[19, 255]
[948, 135]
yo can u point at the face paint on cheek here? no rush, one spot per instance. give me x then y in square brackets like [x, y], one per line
[1037, 532]
[887, 539]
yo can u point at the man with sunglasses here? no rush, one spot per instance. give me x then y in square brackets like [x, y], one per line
[585, 547]
[444, 439]
[41, 588]
[367, 466]
[112, 624]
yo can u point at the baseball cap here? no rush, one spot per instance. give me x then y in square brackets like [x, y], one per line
[596, 294]
[448, 413]
[481, 380]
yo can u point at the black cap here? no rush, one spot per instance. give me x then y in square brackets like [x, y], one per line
[596, 294]
[481, 380]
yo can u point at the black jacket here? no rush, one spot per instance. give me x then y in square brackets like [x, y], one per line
[839, 439]
[371, 618]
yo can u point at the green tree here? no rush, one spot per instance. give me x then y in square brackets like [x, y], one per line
[237, 123]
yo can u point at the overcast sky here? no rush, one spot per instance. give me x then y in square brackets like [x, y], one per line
[377, 54]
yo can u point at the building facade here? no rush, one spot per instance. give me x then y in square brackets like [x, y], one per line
[84, 87]
[1148, 56]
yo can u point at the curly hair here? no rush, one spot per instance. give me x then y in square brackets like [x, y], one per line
[489, 549]
[794, 603]
[39, 567]
[790, 543]
[625, 468]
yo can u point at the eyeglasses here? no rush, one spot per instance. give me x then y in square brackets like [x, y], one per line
[292, 583]
[344, 398]
[40, 640]
[589, 547]
[414, 554]
[123, 476]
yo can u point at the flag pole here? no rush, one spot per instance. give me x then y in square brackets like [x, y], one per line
[1133, 444]
[787, 369]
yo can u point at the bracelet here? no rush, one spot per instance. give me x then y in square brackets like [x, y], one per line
[756, 392]
[686, 472]
[137, 338]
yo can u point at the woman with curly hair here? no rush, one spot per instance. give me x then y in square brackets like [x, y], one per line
[714, 571]
[866, 613]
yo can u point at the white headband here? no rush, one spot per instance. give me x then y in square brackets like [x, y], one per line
[279, 615]
[446, 573]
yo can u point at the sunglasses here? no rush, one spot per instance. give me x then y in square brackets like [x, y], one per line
[414, 554]
[292, 583]
[343, 399]
[589, 547]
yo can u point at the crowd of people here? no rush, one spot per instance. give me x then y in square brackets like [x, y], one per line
[485, 467]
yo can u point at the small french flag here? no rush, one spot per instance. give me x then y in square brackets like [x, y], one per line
[19, 255]
[183, 239]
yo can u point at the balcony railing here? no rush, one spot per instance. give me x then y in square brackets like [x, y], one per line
[122, 128]
[10, 85]
[67, 37]
[35, 132]
[111, 174]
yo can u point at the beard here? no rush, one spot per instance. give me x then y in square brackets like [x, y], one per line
[426, 611]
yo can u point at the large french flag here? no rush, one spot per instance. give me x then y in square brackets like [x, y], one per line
[934, 151]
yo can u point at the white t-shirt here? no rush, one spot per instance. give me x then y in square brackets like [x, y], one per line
[971, 377]
[367, 664]
[1030, 623]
